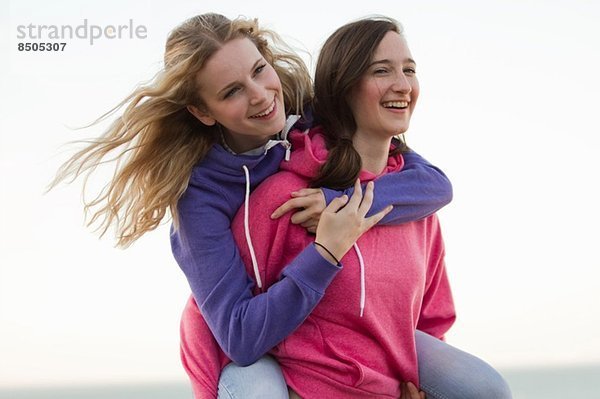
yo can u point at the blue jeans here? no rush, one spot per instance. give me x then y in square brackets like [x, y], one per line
[262, 379]
[444, 372]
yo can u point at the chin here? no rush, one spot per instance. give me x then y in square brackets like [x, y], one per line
[281, 121]
[278, 127]
[401, 129]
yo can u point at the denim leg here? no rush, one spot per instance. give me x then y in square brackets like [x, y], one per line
[446, 372]
[262, 379]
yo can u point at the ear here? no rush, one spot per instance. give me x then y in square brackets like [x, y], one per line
[202, 116]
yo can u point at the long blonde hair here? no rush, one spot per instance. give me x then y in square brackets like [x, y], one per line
[156, 142]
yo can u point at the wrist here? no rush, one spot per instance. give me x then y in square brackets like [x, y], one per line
[327, 254]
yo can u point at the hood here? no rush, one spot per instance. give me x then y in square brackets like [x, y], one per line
[310, 152]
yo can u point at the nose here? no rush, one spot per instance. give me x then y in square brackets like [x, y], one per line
[257, 93]
[402, 84]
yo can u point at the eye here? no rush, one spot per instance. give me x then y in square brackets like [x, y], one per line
[259, 69]
[410, 71]
[231, 92]
[380, 71]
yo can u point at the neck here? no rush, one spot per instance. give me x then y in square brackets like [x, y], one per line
[374, 151]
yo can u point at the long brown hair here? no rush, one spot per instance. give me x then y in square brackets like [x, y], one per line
[343, 60]
[156, 142]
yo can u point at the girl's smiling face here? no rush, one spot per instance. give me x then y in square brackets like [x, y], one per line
[242, 92]
[385, 97]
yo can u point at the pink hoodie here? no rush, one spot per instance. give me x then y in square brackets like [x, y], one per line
[359, 341]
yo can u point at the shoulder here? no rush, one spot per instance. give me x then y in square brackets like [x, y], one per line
[203, 193]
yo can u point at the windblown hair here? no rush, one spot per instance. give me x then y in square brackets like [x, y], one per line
[343, 60]
[157, 141]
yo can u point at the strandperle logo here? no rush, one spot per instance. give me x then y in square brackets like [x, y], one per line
[85, 31]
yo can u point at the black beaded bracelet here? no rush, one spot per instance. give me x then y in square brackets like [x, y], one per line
[337, 262]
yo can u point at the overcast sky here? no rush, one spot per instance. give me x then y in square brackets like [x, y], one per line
[508, 108]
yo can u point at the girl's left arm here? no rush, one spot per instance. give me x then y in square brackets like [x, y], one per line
[437, 310]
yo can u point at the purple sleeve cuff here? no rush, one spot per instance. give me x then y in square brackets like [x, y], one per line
[310, 268]
[330, 194]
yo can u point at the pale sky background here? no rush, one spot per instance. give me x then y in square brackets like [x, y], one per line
[508, 108]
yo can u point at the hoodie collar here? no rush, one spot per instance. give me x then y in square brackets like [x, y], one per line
[310, 153]
[222, 159]
[282, 139]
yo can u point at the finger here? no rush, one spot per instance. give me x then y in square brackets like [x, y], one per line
[376, 218]
[290, 204]
[367, 200]
[422, 395]
[356, 198]
[301, 217]
[283, 209]
[306, 192]
[336, 204]
[310, 224]
[404, 391]
[412, 390]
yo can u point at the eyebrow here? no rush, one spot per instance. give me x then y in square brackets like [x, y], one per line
[232, 84]
[389, 62]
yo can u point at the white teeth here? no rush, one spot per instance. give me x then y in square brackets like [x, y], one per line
[396, 104]
[266, 112]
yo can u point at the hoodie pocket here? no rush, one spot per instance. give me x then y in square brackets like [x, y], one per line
[361, 376]
[305, 344]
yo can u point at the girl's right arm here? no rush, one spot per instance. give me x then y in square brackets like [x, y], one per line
[244, 325]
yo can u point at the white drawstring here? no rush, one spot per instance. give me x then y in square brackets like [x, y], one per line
[284, 133]
[247, 229]
[287, 145]
[363, 293]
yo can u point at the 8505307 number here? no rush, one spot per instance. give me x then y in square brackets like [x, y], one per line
[41, 46]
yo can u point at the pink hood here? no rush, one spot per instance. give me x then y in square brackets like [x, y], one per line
[310, 153]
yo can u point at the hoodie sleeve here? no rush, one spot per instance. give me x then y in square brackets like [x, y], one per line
[437, 310]
[418, 190]
[245, 326]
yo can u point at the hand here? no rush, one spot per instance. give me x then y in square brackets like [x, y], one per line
[310, 202]
[344, 221]
[410, 391]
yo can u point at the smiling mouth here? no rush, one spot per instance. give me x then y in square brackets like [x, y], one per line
[266, 111]
[396, 104]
